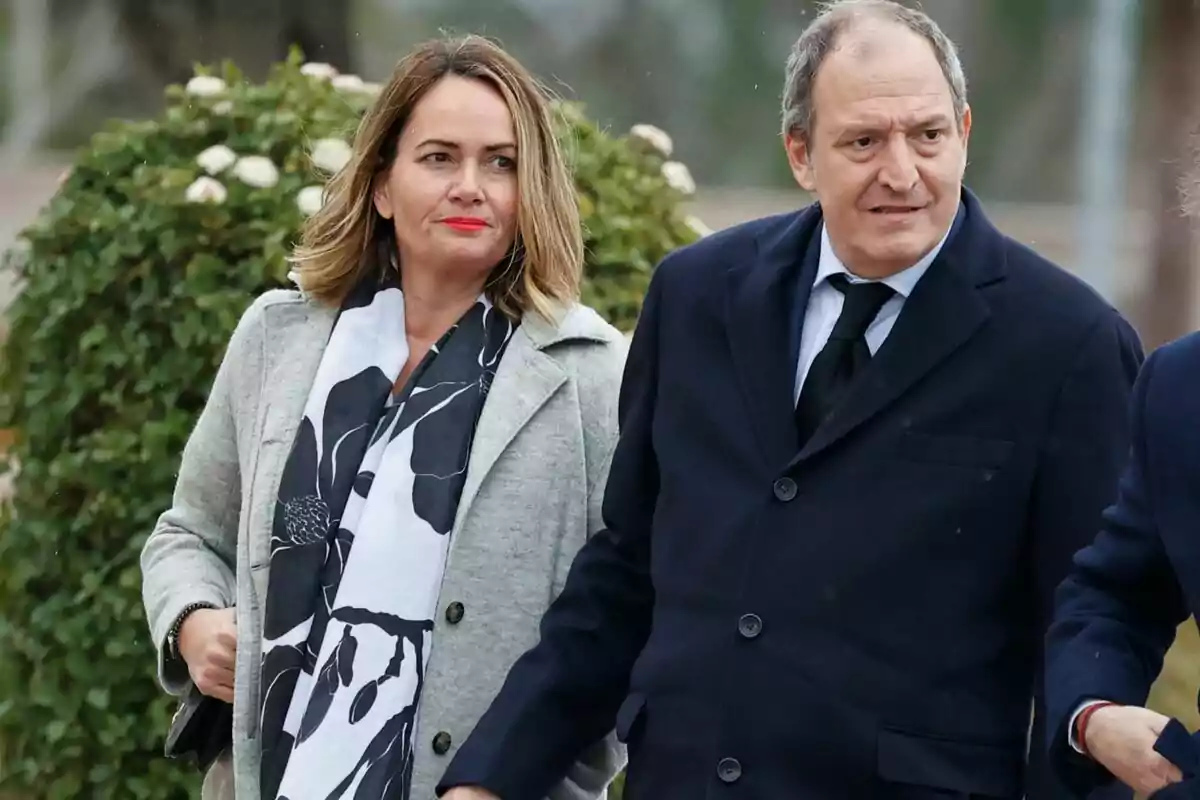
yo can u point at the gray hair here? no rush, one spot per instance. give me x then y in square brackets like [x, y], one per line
[819, 38]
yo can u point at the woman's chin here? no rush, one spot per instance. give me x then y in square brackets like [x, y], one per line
[465, 260]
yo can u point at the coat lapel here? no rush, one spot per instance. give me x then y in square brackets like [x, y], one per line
[294, 339]
[944, 311]
[302, 331]
[525, 381]
[767, 296]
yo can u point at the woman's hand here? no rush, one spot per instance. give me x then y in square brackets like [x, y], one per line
[208, 644]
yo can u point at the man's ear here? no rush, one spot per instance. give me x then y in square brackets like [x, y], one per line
[966, 134]
[800, 160]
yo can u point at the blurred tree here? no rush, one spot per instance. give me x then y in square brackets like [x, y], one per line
[1171, 288]
[1024, 71]
[709, 71]
[167, 37]
[744, 95]
[45, 89]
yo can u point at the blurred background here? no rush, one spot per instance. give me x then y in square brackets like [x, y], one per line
[1081, 107]
[1083, 110]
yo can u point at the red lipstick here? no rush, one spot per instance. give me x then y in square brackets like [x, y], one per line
[465, 223]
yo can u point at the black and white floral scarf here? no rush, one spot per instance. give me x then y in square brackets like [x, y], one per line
[361, 531]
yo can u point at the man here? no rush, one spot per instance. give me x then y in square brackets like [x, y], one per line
[1128, 591]
[859, 445]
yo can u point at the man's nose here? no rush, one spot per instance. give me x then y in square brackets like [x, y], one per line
[899, 170]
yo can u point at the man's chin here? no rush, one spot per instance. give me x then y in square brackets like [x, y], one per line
[902, 252]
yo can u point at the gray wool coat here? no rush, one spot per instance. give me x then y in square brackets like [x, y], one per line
[532, 496]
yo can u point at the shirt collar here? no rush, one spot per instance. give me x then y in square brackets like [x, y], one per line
[902, 283]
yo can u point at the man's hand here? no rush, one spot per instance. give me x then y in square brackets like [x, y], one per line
[469, 793]
[1122, 739]
[208, 644]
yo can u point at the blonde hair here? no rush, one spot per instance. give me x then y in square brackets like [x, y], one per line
[348, 238]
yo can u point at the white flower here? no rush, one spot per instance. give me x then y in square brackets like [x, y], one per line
[257, 171]
[330, 155]
[566, 110]
[314, 69]
[347, 83]
[697, 225]
[205, 86]
[223, 108]
[217, 158]
[355, 84]
[655, 137]
[310, 199]
[679, 177]
[206, 190]
[296, 277]
[19, 252]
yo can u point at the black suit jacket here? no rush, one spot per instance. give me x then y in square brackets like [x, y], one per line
[860, 617]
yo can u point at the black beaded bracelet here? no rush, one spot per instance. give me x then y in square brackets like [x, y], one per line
[173, 633]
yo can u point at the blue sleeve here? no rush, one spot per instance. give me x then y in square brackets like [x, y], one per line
[1117, 611]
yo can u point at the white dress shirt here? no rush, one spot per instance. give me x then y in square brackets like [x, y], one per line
[825, 304]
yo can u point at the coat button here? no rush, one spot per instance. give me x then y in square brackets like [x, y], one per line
[750, 625]
[441, 743]
[729, 770]
[454, 612]
[785, 490]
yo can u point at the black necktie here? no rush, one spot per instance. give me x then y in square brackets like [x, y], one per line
[844, 355]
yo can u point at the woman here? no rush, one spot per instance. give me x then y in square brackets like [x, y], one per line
[396, 464]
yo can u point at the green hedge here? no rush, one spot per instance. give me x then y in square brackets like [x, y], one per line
[131, 289]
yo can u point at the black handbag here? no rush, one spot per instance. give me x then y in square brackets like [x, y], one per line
[201, 728]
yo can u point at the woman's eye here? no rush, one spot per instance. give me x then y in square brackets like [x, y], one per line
[505, 162]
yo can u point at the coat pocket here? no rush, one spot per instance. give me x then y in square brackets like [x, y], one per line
[249, 676]
[262, 498]
[972, 768]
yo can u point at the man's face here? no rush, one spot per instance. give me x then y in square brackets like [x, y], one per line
[885, 157]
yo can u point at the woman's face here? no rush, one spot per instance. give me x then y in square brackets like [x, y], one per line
[451, 193]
